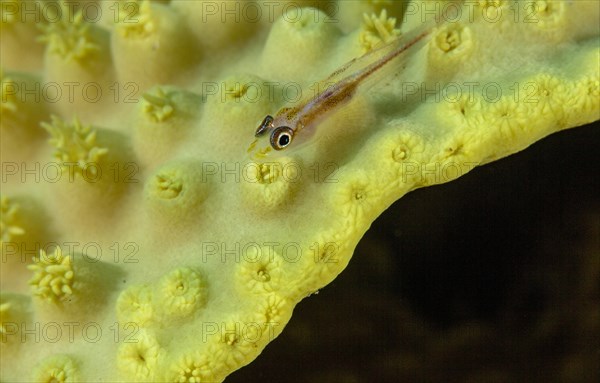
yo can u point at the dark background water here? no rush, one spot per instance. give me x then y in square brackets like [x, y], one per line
[494, 277]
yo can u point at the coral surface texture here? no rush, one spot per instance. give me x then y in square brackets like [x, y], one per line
[148, 236]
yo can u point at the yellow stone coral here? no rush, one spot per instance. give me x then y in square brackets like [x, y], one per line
[159, 106]
[166, 116]
[138, 360]
[324, 256]
[168, 187]
[134, 305]
[8, 95]
[356, 197]
[238, 339]
[56, 369]
[176, 191]
[139, 42]
[78, 67]
[275, 310]
[508, 116]
[8, 216]
[312, 33]
[13, 315]
[399, 156]
[452, 46]
[69, 37]
[270, 185]
[76, 148]
[11, 13]
[142, 22]
[584, 95]
[462, 108]
[125, 11]
[4, 318]
[237, 95]
[242, 16]
[228, 246]
[546, 14]
[20, 22]
[350, 14]
[378, 30]
[488, 9]
[452, 37]
[194, 368]
[22, 108]
[260, 270]
[181, 292]
[53, 276]
[548, 96]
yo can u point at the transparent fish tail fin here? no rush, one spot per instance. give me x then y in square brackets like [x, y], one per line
[390, 58]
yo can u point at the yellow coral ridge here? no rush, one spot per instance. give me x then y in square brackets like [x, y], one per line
[273, 311]
[508, 116]
[8, 226]
[585, 94]
[237, 340]
[377, 30]
[69, 37]
[398, 155]
[195, 368]
[53, 276]
[76, 147]
[548, 96]
[355, 197]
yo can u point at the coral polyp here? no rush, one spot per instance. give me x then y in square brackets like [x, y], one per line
[53, 276]
[75, 145]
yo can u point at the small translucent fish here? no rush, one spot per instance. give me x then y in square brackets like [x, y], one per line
[293, 127]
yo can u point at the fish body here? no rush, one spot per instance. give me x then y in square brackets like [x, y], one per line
[292, 127]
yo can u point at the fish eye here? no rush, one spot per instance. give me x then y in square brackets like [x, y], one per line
[281, 137]
[267, 122]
